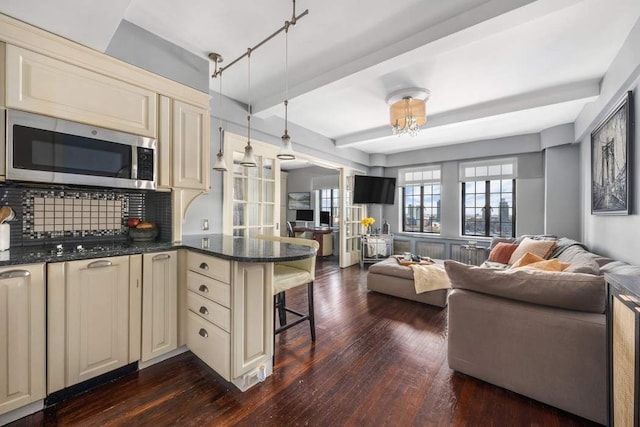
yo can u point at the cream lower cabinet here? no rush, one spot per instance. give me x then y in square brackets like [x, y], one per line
[89, 318]
[22, 336]
[159, 304]
[230, 316]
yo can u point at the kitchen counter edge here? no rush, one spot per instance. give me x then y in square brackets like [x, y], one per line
[223, 247]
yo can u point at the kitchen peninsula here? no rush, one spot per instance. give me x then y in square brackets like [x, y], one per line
[211, 294]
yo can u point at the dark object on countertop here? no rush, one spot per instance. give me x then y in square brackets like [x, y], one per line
[143, 234]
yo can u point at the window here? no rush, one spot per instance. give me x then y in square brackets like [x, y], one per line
[488, 198]
[420, 199]
[330, 202]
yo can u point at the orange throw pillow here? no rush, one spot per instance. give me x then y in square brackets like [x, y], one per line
[526, 259]
[502, 252]
[548, 265]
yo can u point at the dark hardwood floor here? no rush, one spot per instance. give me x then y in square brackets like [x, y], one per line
[378, 360]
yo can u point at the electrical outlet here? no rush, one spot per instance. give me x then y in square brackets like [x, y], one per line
[205, 224]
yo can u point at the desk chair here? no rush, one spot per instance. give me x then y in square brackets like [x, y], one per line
[291, 274]
[290, 232]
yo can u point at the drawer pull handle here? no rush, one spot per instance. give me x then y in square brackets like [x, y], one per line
[203, 310]
[13, 274]
[203, 333]
[100, 264]
[160, 257]
[204, 289]
[204, 266]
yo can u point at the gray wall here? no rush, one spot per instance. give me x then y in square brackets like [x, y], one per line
[529, 191]
[143, 49]
[615, 236]
[562, 191]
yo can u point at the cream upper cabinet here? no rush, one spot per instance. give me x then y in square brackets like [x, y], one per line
[22, 336]
[159, 304]
[40, 84]
[88, 319]
[191, 152]
[3, 162]
[165, 152]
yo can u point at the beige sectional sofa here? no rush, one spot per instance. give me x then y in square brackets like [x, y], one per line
[537, 333]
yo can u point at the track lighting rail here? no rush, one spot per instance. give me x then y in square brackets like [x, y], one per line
[217, 58]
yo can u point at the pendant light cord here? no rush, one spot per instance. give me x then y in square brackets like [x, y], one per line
[286, 74]
[249, 90]
[220, 112]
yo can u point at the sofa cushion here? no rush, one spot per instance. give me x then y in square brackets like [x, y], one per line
[583, 264]
[542, 248]
[502, 252]
[573, 291]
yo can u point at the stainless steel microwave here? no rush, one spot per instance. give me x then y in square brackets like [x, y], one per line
[56, 151]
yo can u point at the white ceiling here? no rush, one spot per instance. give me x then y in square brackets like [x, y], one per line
[495, 67]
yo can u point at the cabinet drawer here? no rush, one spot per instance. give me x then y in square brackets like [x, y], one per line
[215, 268]
[209, 310]
[210, 343]
[209, 288]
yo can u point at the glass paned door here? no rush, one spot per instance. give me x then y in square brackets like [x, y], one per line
[351, 229]
[252, 198]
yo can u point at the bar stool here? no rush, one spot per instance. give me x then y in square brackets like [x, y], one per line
[291, 274]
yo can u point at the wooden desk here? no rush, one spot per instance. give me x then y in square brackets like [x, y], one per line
[322, 235]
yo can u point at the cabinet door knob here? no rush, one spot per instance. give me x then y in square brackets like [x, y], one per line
[204, 266]
[13, 274]
[204, 289]
[160, 257]
[203, 333]
[203, 310]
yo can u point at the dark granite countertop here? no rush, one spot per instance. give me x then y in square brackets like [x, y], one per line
[218, 245]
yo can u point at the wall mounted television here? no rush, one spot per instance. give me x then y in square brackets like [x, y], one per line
[304, 215]
[374, 190]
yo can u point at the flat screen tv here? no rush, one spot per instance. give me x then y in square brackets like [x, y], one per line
[304, 215]
[374, 190]
[325, 218]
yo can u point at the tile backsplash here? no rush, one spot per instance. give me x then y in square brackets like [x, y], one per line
[57, 214]
[73, 214]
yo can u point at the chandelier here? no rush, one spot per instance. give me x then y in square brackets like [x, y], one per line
[407, 111]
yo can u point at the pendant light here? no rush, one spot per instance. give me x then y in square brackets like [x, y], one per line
[286, 149]
[219, 164]
[249, 160]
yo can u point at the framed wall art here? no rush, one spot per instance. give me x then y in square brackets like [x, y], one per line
[610, 142]
[299, 201]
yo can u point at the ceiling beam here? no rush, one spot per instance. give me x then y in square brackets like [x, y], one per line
[479, 22]
[548, 96]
